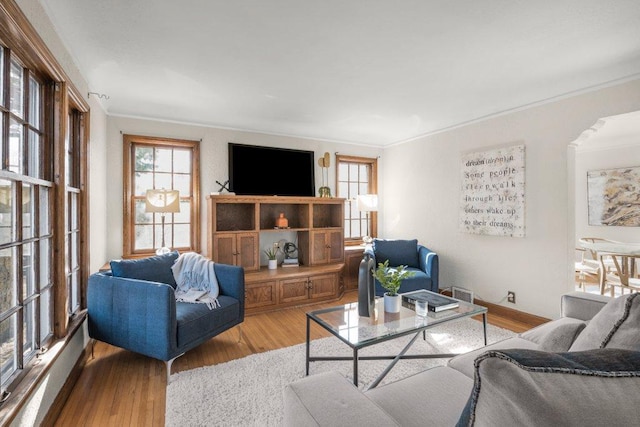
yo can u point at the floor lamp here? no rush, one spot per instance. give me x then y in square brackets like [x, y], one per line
[368, 203]
[163, 202]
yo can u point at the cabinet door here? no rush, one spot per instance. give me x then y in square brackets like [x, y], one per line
[319, 243]
[336, 246]
[247, 251]
[261, 294]
[292, 290]
[327, 247]
[324, 285]
[224, 248]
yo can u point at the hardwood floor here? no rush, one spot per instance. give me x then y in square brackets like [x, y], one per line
[121, 388]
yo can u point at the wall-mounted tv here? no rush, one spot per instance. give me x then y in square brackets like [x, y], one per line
[269, 171]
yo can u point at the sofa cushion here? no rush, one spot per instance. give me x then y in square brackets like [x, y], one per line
[617, 325]
[555, 336]
[464, 362]
[196, 322]
[398, 252]
[434, 397]
[154, 269]
[530, 387]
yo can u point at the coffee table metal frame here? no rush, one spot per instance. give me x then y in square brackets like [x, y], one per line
[378, 329]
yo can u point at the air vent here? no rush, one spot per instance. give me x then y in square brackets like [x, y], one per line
[462, 294]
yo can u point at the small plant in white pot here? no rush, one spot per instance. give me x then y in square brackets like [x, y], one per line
[272, 256]
[390, 278]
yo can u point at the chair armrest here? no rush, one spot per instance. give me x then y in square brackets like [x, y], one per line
[582, 305]
[429, 264]
[329, 399]
[137, 315]
[231, 283]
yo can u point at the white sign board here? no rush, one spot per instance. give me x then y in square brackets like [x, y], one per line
[493, 191]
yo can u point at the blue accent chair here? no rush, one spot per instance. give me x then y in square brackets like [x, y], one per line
[418, 258]
[133, 306]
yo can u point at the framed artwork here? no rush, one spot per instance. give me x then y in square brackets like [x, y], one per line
[492, 194]
[614, 197]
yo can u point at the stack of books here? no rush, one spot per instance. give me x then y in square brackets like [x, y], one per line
[435, 302]
[290, 262]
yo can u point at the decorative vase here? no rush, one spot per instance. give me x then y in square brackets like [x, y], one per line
[392, 303]
[273, 264]
[366, 288]
[324, 191]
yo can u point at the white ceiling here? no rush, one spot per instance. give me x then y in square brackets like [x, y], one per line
[373, 72]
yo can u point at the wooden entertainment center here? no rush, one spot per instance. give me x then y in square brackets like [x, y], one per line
[235, 225]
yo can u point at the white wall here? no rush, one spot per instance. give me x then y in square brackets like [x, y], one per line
[213, 162]
[420, 190]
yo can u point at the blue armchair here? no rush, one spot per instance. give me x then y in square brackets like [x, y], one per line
[418, 258]
[133, 306]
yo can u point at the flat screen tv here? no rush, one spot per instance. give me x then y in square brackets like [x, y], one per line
[268, 171]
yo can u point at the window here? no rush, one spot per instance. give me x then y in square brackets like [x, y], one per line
[43, 204]
[357, 175]
[160, 163]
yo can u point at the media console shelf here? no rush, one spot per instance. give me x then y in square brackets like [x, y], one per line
[235, 225]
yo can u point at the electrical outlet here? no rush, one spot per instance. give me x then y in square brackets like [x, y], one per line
[511, 297]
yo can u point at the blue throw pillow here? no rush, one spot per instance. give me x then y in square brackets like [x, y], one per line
[398, 252]
[155, 269]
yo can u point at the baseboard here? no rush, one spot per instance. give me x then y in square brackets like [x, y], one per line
[509, 313]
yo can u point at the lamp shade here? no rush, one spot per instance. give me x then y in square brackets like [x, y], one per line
[368, 202]
[162, 201]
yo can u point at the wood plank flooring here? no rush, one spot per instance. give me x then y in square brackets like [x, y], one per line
[121, 388]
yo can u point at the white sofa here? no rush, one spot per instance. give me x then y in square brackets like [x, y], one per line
[581, 369]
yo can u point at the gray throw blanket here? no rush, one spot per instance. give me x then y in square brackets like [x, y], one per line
[196, 280]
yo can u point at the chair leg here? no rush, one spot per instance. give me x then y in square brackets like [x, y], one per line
[240, 334]
[168, 364]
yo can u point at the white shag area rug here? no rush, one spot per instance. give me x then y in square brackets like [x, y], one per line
[249, 391]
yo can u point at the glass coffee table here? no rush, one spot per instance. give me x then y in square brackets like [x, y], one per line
[360, 332]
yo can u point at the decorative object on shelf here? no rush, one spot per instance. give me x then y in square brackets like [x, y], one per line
[390, 278]
[272, 256]
[162, 201]
[368, 203]
[366, 288]
[282, 222]
[324, 162]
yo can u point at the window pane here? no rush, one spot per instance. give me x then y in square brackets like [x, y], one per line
[73, 211]
[29, 329]
[45, 212]
[144, 237]
[6, 212]
[163, 180]
[8, 358]
[363, 175]
[34, 154]
[16, 139]
[143, 182]
[16, 103]
[74, 303]
[8, 261]
[143, 159]
[73, 262]
[28, 271]
[184, 215]
[182, 183]
[182, 161]
[34, 102]
[182, 235]
[46, 316]
[45, 263]
[163, 160]
[28, 210]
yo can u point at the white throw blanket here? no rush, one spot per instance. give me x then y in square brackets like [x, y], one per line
[196, 280]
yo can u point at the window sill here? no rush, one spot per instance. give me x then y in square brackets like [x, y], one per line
[36, 371]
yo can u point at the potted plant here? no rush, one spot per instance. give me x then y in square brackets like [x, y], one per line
[271, 254]
[390, 278]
